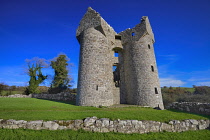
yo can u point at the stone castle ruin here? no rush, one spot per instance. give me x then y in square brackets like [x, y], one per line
[116, 68]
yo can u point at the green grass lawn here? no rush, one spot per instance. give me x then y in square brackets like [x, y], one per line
[37, 109]
[20, 134]
[189, 89]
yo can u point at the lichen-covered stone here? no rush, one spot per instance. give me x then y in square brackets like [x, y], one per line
[78, 124]
[37, 125]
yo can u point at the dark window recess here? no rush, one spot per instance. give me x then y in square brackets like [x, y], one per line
[152, 68]
[156, 91]
[118, 37]
[148, 46]
[116, 54]
[96, 87]
[133, 34]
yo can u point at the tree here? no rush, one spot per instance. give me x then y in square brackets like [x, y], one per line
[34, 71]
[202, 90]
[61, 79]
[2, 87]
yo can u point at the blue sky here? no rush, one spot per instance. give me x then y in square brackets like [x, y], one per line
[46, 28]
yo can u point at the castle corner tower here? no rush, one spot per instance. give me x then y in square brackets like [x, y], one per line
[141, 82]
[95, 81]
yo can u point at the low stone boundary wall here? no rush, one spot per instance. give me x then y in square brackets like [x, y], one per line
[60, 96]
[192, 107]
[16, 96]
[105, 125]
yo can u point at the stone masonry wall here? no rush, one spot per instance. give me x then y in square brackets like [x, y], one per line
[63, 96]
[95, 78]
[141, 82]
[60, 96]
[137, 76]
[192, 107]
[105, 125]
[16, 96]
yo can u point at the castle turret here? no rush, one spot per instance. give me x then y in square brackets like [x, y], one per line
[95, 82]
[141, 75]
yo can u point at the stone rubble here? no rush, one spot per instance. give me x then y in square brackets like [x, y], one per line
[95, 124]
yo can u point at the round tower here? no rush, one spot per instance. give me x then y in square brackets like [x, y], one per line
[95, 79]
[142, 76]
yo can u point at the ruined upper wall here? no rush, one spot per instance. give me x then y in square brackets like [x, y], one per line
[139, 31]
[92, 19]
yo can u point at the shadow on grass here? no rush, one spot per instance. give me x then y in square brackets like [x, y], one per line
[65, 102]
[174, 110]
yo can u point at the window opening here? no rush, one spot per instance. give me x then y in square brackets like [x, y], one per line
[118, 37]
[96, 87]
[148, 46]
[114, 68]
[116, 76]
[116, 54]
[152, 68]
[156, 91]
[133, 34]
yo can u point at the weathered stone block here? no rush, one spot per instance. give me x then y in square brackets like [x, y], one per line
[68, 123]
[37, 125]
[50, 125]
[104, 130]
[166, 127]
[62, 128]
[122, 123]
[194, 122]
[96, 129]
[105, 122]
[78, 124]
[90, 121]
